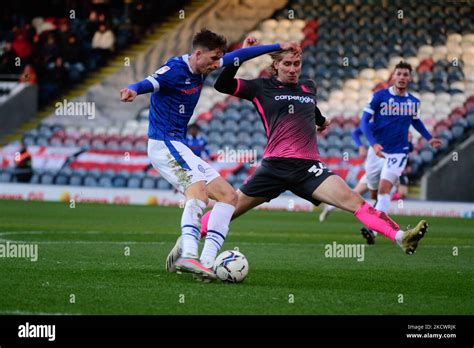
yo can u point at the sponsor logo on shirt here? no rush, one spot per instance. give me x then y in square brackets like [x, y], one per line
[192, 90]
[301, 99]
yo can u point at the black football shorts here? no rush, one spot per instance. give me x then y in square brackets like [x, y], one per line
[277, 175]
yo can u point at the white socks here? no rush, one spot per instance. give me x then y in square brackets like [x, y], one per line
[217, 229]
[383, 202]
[398, 237]
[191, 227]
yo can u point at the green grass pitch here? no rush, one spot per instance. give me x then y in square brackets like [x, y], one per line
[82, 253]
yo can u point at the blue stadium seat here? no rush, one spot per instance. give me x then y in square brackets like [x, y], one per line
[119, 181]
[104, 181]
[6, 176]
[134, 182]
[457, 131]
[91, 180]
[61, 179]
[470, 119]
[426, 156]
[47, 178]
[149, 183]
[163, 184]
[75, 180]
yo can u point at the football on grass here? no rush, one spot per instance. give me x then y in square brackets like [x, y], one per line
[231, 266]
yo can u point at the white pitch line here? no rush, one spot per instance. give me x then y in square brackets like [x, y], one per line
[35, 313]
[4, 233]
[9, 233]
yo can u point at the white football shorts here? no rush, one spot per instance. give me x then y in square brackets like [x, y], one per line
[178, 164]
[389, 168]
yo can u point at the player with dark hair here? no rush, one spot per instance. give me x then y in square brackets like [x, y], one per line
[196, 142]
[287, 107]
[176, 87]
[393, 111]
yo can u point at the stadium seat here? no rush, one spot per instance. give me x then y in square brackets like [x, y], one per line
[5, 176]
[61, 179]
[104, 181]
[149, 183]
[134, 182]
[75, 180]
[47, 178]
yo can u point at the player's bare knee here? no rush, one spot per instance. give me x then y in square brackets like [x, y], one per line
[229, 197]
[385, 187]
[197, 191]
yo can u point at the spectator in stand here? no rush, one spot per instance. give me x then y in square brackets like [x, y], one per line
[92, 24]
[30, 32]
[8, 60]
[29, 75]
[23, 165]
[58, 72]
[54, 79]
[21, 45]
[63, 34]
[103, 42]
[141, 19]
[50, 49]
[73, 61]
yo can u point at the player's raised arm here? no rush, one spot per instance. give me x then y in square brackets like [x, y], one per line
[369, 111]
[128, 94]
[356, 134]
[420, 128]
[152, 83]
[228, 84]
[237, 57]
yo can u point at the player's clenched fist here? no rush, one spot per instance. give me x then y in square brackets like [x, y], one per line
[249, 41]
[127, 95]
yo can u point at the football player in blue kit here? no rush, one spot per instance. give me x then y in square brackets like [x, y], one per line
[385, 123]
[175, 89]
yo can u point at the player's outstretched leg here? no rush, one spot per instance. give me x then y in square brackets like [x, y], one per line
[411, 237]
[380, 222]
[326, 211]
[335, 191]
[369, 235]
[173, 256]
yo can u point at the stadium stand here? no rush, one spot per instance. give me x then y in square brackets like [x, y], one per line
[348, 62]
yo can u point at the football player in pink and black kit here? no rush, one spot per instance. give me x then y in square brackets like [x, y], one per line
[291, 162]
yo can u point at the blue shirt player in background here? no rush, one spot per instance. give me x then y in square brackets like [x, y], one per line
[392, 111]
[196, 142]
[175, 89]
